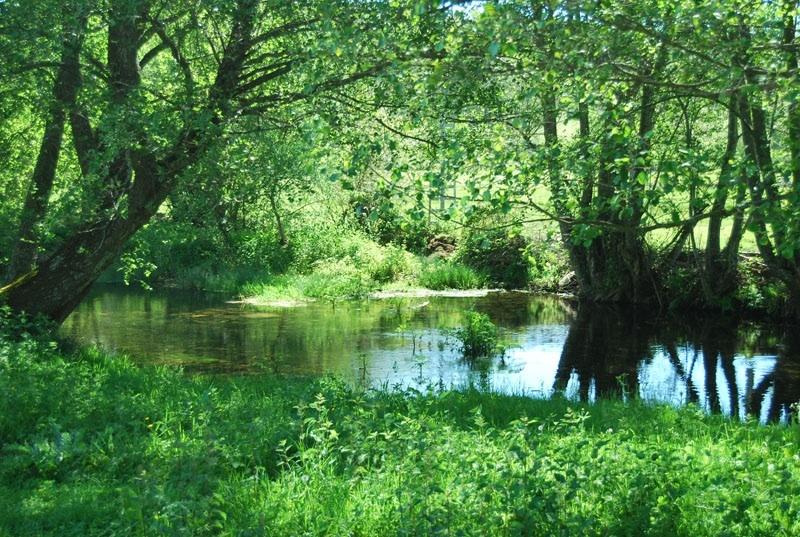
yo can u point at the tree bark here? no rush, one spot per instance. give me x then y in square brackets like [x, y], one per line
[719, 270]
[65, 90]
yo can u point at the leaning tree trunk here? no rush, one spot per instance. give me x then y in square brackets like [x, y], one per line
[137, 179]
[59, 283]
[65, 90]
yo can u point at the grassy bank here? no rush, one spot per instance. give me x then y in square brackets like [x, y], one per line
[341, 281]
[92, 445]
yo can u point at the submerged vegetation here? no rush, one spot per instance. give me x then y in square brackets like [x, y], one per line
[93, 445]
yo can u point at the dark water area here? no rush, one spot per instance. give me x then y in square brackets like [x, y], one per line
[553, 346]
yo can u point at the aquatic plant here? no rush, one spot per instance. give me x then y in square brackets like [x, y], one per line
[478, 336]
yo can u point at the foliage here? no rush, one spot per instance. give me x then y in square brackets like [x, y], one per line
[547, 263]
[478, 336]
[357, 267]
[498, 253]
[757, 292]
[683, 286]
[15, 326]
[93, 445]
[131, 136]
[383, 221]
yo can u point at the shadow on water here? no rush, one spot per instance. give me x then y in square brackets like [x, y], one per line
[553, 346]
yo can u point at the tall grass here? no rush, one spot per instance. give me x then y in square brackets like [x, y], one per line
[92, 445]
[440, 275]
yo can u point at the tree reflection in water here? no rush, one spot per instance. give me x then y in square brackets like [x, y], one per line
[607, 350]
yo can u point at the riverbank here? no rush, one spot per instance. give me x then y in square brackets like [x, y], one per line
[342, 281]
[276, 300]
[93, 445]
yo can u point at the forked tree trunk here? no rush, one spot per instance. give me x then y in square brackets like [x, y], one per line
[65, 90]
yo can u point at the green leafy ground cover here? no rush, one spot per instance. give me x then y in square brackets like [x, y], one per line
[91, 444]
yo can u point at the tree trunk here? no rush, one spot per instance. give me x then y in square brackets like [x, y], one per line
[65, 90]
[273, 203]
[616, 263]
[719, 270]
[793, 111]
[61, 281]
[768, 217]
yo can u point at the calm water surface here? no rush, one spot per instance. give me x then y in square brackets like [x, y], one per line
[553, 346]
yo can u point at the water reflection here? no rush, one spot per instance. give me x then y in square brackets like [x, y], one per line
[713, 362]
[585, 352]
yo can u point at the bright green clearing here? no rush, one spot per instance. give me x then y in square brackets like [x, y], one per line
[93, 445]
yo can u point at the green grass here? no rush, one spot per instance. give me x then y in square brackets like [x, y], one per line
[337, 282]
[440, 275]
[340, 279]
[663, 236]
[93, 445]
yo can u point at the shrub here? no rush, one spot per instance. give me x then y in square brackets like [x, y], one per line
[396, 264]
[478, 336]
[313, 241]
[381, 220]
[757, 291]
[499, 253]
[181, 254]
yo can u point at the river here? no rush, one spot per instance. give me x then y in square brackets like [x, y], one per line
[553, 346]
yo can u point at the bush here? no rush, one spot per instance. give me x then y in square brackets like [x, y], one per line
[184, 255]
[478, 336]
[498, 253]
[758, 292]
[396, 264]
[381, 220]
[439, 275]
